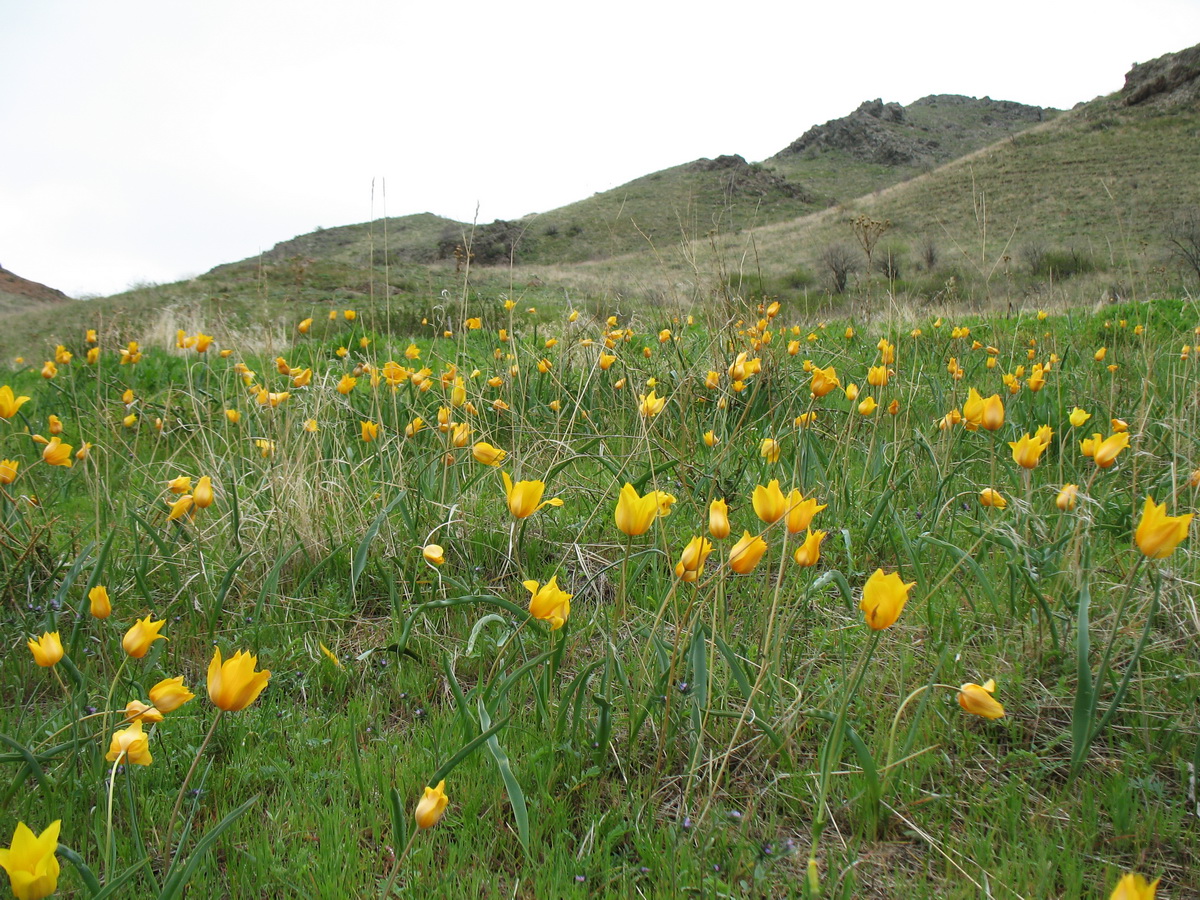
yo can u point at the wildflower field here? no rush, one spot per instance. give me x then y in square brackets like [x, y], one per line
[572, 602]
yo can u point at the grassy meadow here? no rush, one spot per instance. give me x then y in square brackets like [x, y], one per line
[934, 642]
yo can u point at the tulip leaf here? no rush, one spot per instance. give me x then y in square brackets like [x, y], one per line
[399, 819]
[1085, 702]
[179, 877]
[739, 675]
[271, 584]
[73, 573]
[843, 586]
[162, 548]
[113, 888]
[467, 749]
[478, 627]
[965, 559]
[460, 699]
[31, 762]
[86, 875]
[364, 546]
[516, 796]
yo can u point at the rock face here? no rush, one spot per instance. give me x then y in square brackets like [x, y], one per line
[1170, 80]
[927, 132]
[748, 179]
[17, 286]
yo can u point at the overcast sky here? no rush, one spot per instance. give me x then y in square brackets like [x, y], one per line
[151, 141]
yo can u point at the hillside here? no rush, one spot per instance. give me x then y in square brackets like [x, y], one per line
[19, 294]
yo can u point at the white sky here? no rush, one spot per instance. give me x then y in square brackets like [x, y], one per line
[155, 140]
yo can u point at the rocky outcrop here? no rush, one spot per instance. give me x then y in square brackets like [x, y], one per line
[15, 285]
[1170, 80]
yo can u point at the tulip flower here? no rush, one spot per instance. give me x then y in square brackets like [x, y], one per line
[56, 453]
[634, 514]
[852, 392]
[1027, 451]
[718, 519]
[1110, 448]
[711, 439]
[414, 427]
[1079, 417]
[181, 484]
[993, 413]
[1119, 425]
[745, 554]
[977, 700]
[431, 805]
[992, 497]
[434, 554]
[650, 405]
[1067, 497]
[972, 410]
[809, 553]
[233, 416]
[548, 603]
[30, 862]
[141, 635]
[805, 419]
[84, 451]
[233, 684]
[47, 650]
[265, 448]
[877, 376]
[1088, 446]
[524, 497]
[1099, 355]
[1158, 534]
[54, 424]
[350, 315]
[202, 496]
[8, 470]
[824, 381]
[867, 407]
[180, 508]
[346, 384]
[370, 431]
[100, 605]
[800, 512]
[170, 694]
[9, 404]
[1133, 887]
[691, 564]
[770, 450]
[487, 454]
[883, 599]
[769, 503]
[137, 711]
[304, 326]
[130, 745]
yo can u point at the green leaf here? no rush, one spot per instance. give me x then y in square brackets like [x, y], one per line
[516, 796]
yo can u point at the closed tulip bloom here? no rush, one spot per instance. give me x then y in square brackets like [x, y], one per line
[1067, 497]
[434, 554]
[100, 605]
[233, 416]
[1158, 534]
[180, 508]
[877, 376]
[1110, 448]
[809, 553]
[718, 519]
[993, 413]
[852, 392]
[137, 711]
[47, 650]
[30, 862]
[431, 805]
[170, 694]
[56, 453]
[1079, 417]
[370, 431]
[867, 407]
[202, 496]
[524, 497]
[141, 635]
[650, 405]
[978, 700]
[824, 381]
[9, 403]
[84, 451]
[8, 470]
[130, 745]
[1099, 355]
[233, 684]
[972, 410]
[769, 503]
[635, 514]
[770, 450]
[883, 599]
[548, 602]
[304, 326]
[1088, 446]
[1132, 887]
[745, 554]
[805, 419]
[710, 439]
[54, 425]
[487, 454]
[1119, 425]
[992, 497]
[800, 512]
[1027, 451]
[350, 315]
[691, 564]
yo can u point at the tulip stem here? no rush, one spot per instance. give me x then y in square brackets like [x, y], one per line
[187, 780]
[387, 888]
[112, 780]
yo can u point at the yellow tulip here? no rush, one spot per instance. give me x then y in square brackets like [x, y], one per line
[130, 745]
[769, 503]
[1110, 448]
[1066, 498]
[824, 381]
[978, 700]
[265, 448]
[181, 484]
[1158, 534]
[141, 635]
[84, 451]
[1099, 355]
[1079, 417]
[99, 604]
[434, 554]
[800, 512]
[635, 514]
[49, 370]
[650, 405]
[524, 497]
[170, 694]
[137, 711]
[233, 684]
[883, 599]
[992, 497]
[350, 315]
[346, 384]
[30, 862]
[710, 439]
[8, 470]
[370, 431]
[1134, 887]
[54, 424]
[431, 805]
[1119, 425]
[877, 376]
[867, 407]
[805, 419]
[202, 496]
[180, 508]
[691, 564]
[1027, 451]
[972, 410]
[770, 450]
[130, 420]
[233, 416]
[487, 454]
[203, 342]
[718, 519]
[745, 554]
[304, 326]
[809, 553]
[47, 650]
[993, 413]
[414, 427]
[852, 392]
[56, 453]
[548, 602]
[1088, 446]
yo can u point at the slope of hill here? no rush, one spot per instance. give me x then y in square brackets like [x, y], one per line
[19, 294]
